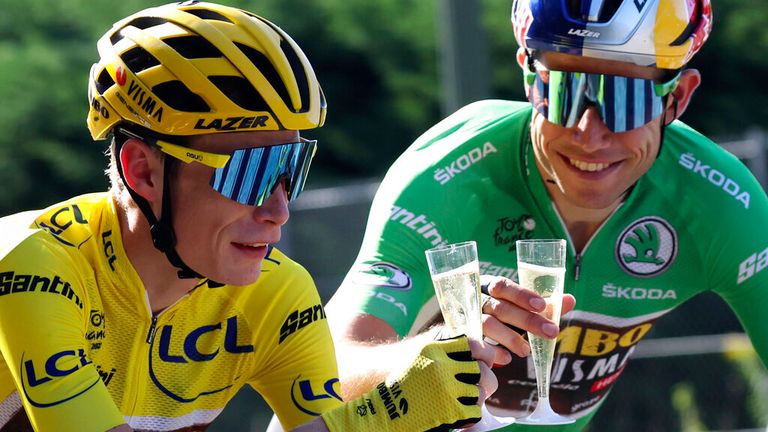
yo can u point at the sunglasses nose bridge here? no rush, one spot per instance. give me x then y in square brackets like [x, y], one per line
[580, 107]
[589, 105]
[592, 117]
[285, 180]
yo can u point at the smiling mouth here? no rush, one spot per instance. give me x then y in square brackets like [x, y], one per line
[252, 245]
[588, 166]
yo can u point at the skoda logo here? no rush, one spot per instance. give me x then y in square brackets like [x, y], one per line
[647, 247]
[383, 274]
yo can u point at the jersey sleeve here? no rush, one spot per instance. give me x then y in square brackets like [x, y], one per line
[299, 379]
[740, 276]
[732, 209]
[390, 278]
[445, 188]
[421, 203]
[42, 339]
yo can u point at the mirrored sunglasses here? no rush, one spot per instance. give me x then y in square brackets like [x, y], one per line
[623, 103]
[250, 175]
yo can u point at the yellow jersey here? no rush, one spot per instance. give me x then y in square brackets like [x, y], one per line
[81, 350]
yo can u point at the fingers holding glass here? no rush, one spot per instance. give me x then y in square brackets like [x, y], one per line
[486, 356]
[509, 316]
[524, 319]
[502, 288]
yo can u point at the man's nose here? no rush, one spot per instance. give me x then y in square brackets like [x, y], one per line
[275, 208]
[590, 130]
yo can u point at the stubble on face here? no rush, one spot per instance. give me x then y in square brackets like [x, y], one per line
[592, 175]
[220, 238]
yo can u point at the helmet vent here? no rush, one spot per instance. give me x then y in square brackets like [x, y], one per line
[690, 29]
[208, 15]
[593, 11]
[298, 72]
[265, 66]
[176, 95]
[146, 22]
[138, 59]
[241, 92]
[687, 32]
[104, 81]
[140, 23]
[192, 47]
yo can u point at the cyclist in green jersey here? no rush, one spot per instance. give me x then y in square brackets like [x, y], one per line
[654, 212]
[149, 306]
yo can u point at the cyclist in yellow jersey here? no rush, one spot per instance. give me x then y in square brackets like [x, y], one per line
[149, 306]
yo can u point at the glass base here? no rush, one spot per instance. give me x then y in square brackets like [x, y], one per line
[544, 415]
[489, 422]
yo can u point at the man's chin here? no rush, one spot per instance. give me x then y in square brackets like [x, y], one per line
[593, 200]
[238, 278]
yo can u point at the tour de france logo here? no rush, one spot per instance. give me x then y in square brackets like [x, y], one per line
[647, 247]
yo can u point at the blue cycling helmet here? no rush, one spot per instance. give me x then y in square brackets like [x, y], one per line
[659, 33]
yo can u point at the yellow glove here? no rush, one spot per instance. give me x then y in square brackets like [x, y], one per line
[437, 392]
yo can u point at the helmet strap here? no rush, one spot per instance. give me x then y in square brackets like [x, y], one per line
[163, 236]
[664, 119]
[161, 230]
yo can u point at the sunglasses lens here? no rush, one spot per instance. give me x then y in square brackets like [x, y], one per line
[301, 163]
[623, 103]
[251, 175]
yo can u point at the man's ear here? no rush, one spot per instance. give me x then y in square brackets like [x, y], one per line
[142, 169]
[681, 96]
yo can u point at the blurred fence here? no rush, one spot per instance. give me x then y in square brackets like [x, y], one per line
[752, 149]
[667, 387]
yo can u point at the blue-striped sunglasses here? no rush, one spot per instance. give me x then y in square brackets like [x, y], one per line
[250, 175]
[623, 103]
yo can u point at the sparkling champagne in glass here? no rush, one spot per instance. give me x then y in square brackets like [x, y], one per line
[455, 272]
[541, 268]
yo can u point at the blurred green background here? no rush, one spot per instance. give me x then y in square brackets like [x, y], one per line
[377, 61]
[379, 65]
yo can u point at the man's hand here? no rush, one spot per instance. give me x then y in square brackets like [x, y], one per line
[508, 304]
[486, 354]
[441, 389]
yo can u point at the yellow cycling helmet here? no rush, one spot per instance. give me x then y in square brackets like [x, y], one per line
[193, 68]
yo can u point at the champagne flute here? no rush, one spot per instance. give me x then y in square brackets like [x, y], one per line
[455, 272]
[541, 268]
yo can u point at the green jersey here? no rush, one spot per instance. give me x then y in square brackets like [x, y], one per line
[694, 222]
